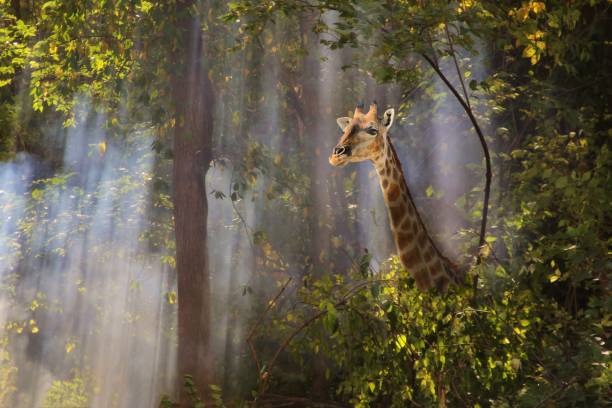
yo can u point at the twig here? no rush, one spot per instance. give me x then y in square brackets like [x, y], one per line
[562, 388]
[456, 392]
[450, 43]
[258, 323]
[242, 220]
[288, 339]
[493, 253]
[277, 401]
[487, 155]
[356, 266]
[360, 285]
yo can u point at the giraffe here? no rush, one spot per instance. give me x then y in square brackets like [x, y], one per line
[366, 137]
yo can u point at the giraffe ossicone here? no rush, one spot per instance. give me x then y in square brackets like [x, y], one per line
[365, 136]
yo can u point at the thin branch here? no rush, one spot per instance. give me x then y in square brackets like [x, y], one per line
[564, 387]
[278, 401]
[242, 220]
[494, 254]
[258, 323]
[450, 43]
[290, 337]
[487, 155]
[265, 376]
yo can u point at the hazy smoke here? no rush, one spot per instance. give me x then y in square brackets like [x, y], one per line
[84, 297]
[89, 295]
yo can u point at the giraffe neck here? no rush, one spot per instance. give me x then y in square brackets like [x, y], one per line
[415, 248]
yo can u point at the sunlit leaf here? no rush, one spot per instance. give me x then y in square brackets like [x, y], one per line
[429, 191]
[70, 346]
[171, 297]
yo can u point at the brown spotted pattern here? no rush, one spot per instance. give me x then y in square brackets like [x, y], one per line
[416, 250]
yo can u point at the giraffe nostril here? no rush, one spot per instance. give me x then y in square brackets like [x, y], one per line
[342, 150]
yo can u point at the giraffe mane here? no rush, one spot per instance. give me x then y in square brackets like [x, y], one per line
[456, 272]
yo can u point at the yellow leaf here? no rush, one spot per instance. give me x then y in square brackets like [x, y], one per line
[34, 329]
[464, 5]
[171, 297]
[529, 51]
[267, 249]
[429, 191]
[336, 242]
[522, 13]
[146, 6]
[69, 347]
[102, 148]
[34, 305]
[485, 251]
[538, 6]
[400, 341]
[99, 64]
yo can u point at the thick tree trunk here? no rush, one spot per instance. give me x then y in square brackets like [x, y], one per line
[193, 101]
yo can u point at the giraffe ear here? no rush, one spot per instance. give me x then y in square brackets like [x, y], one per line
[387, 119]
[343, 122]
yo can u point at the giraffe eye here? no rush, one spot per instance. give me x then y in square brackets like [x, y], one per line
[371, 131]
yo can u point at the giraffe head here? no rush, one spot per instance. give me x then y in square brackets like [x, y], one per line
[363, 136]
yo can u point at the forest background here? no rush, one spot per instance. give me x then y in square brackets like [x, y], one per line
[172, 231]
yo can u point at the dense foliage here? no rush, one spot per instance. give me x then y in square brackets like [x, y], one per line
[342, 329]
[535, 333]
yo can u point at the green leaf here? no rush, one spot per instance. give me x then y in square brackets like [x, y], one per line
[400, 341]
[171, 297]
[561, 182]
[38, 194]
[429, 191]
[145, 6]
[372, 387]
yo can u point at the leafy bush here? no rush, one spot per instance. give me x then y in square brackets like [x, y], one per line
[67, 394]
[7, 373]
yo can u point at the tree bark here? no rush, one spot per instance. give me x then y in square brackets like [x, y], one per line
[193, 103]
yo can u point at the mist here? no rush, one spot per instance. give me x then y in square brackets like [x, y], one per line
[92, 304]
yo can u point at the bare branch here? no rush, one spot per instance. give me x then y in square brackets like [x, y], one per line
[487, 155]
[271, 304]
[265, 376]
[450, 43]
[561, 389]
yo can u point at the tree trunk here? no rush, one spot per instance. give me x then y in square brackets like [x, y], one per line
[193, 102]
